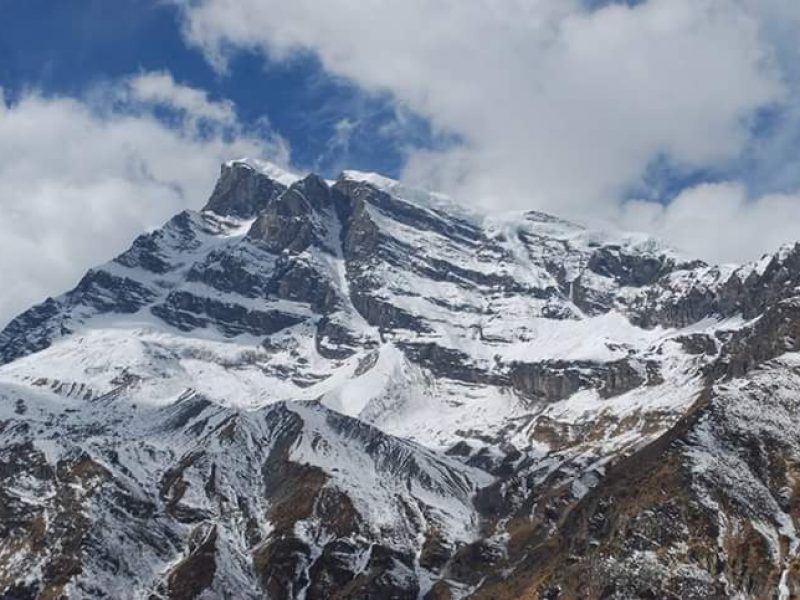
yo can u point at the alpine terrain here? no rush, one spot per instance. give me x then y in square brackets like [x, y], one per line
[352, 389]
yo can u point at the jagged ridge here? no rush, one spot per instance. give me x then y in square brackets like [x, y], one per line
[313, 388]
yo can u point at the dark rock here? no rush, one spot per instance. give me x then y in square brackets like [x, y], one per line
[334, 341]
[243, 192]
[446, 362]
[106, 293]
[281, 565]
[554, 380]
[242, 270]
[148, 251]
[472, 560]
[296, 219]
[385, 315]
[629, 269]
[698, 343]
[360, 236]
[746, 292]
[407, 213]
[187, 311]
[461, 448]
[31, 331]
[435, 552]
[195, 573]
[333, 570]
[776, 332]
[389, 575]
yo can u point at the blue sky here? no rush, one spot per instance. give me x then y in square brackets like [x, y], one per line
[64, 48]
[677, 118]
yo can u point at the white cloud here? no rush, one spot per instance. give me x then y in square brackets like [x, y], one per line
[159, 88]
[718, 223]
[336, 150]
[560, 107]
[79, 180]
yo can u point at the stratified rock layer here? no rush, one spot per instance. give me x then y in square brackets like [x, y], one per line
[353, 389]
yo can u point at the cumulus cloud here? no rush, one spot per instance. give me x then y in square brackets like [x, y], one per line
[718, 222]
[560, 107]
[79, 179]
[159, 88]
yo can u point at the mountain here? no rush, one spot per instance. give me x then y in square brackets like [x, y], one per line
[353, 389]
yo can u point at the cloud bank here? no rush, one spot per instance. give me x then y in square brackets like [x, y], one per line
[555, 105]
[79, 179]
[560, 107]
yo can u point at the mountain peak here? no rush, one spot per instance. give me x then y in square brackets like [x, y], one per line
[375, 179]
[357, 389]
[272, 170]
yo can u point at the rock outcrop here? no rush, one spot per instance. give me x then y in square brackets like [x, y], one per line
[353, 389]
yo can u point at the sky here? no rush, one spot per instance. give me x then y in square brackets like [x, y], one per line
[680, 118]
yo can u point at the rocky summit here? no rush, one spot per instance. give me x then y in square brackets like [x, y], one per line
[353, 389]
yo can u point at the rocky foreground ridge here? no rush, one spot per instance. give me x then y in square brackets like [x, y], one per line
[352, 389]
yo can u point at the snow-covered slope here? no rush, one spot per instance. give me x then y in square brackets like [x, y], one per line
[352, 387]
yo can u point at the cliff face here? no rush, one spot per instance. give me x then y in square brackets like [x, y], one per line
[317, 389]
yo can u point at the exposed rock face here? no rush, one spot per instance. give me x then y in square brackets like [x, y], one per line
[296, 219]
[447, 362]
[634, 269]
[687, 297]
[195, 573]
[777, 331]
[551, 381]
[654, 527]
[242, 191]
[353, 389]
[187, 311]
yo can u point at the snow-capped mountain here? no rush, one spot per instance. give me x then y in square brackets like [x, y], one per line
[353, 389]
